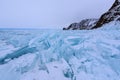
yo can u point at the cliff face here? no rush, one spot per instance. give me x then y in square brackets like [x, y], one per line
[84, 24]
[113, 14]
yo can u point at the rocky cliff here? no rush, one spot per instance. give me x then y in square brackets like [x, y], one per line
[84, 24]
[113, 14]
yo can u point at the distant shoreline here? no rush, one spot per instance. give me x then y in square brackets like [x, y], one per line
[27, 29]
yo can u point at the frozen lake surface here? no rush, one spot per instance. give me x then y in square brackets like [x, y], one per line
[59, 55]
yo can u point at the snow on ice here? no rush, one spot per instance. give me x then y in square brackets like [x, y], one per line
[60, 55]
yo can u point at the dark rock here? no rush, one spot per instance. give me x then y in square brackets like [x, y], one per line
[113, 14]
[84, 24]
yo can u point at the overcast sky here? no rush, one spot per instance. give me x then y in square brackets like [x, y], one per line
[49, 13]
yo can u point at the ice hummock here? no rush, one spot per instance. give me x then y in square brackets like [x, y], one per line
[60, 55]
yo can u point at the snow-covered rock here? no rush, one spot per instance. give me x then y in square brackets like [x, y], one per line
[113, 14]
[83, 25]
[114, 25]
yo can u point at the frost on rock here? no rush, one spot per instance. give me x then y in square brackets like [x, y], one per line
[60, 55]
